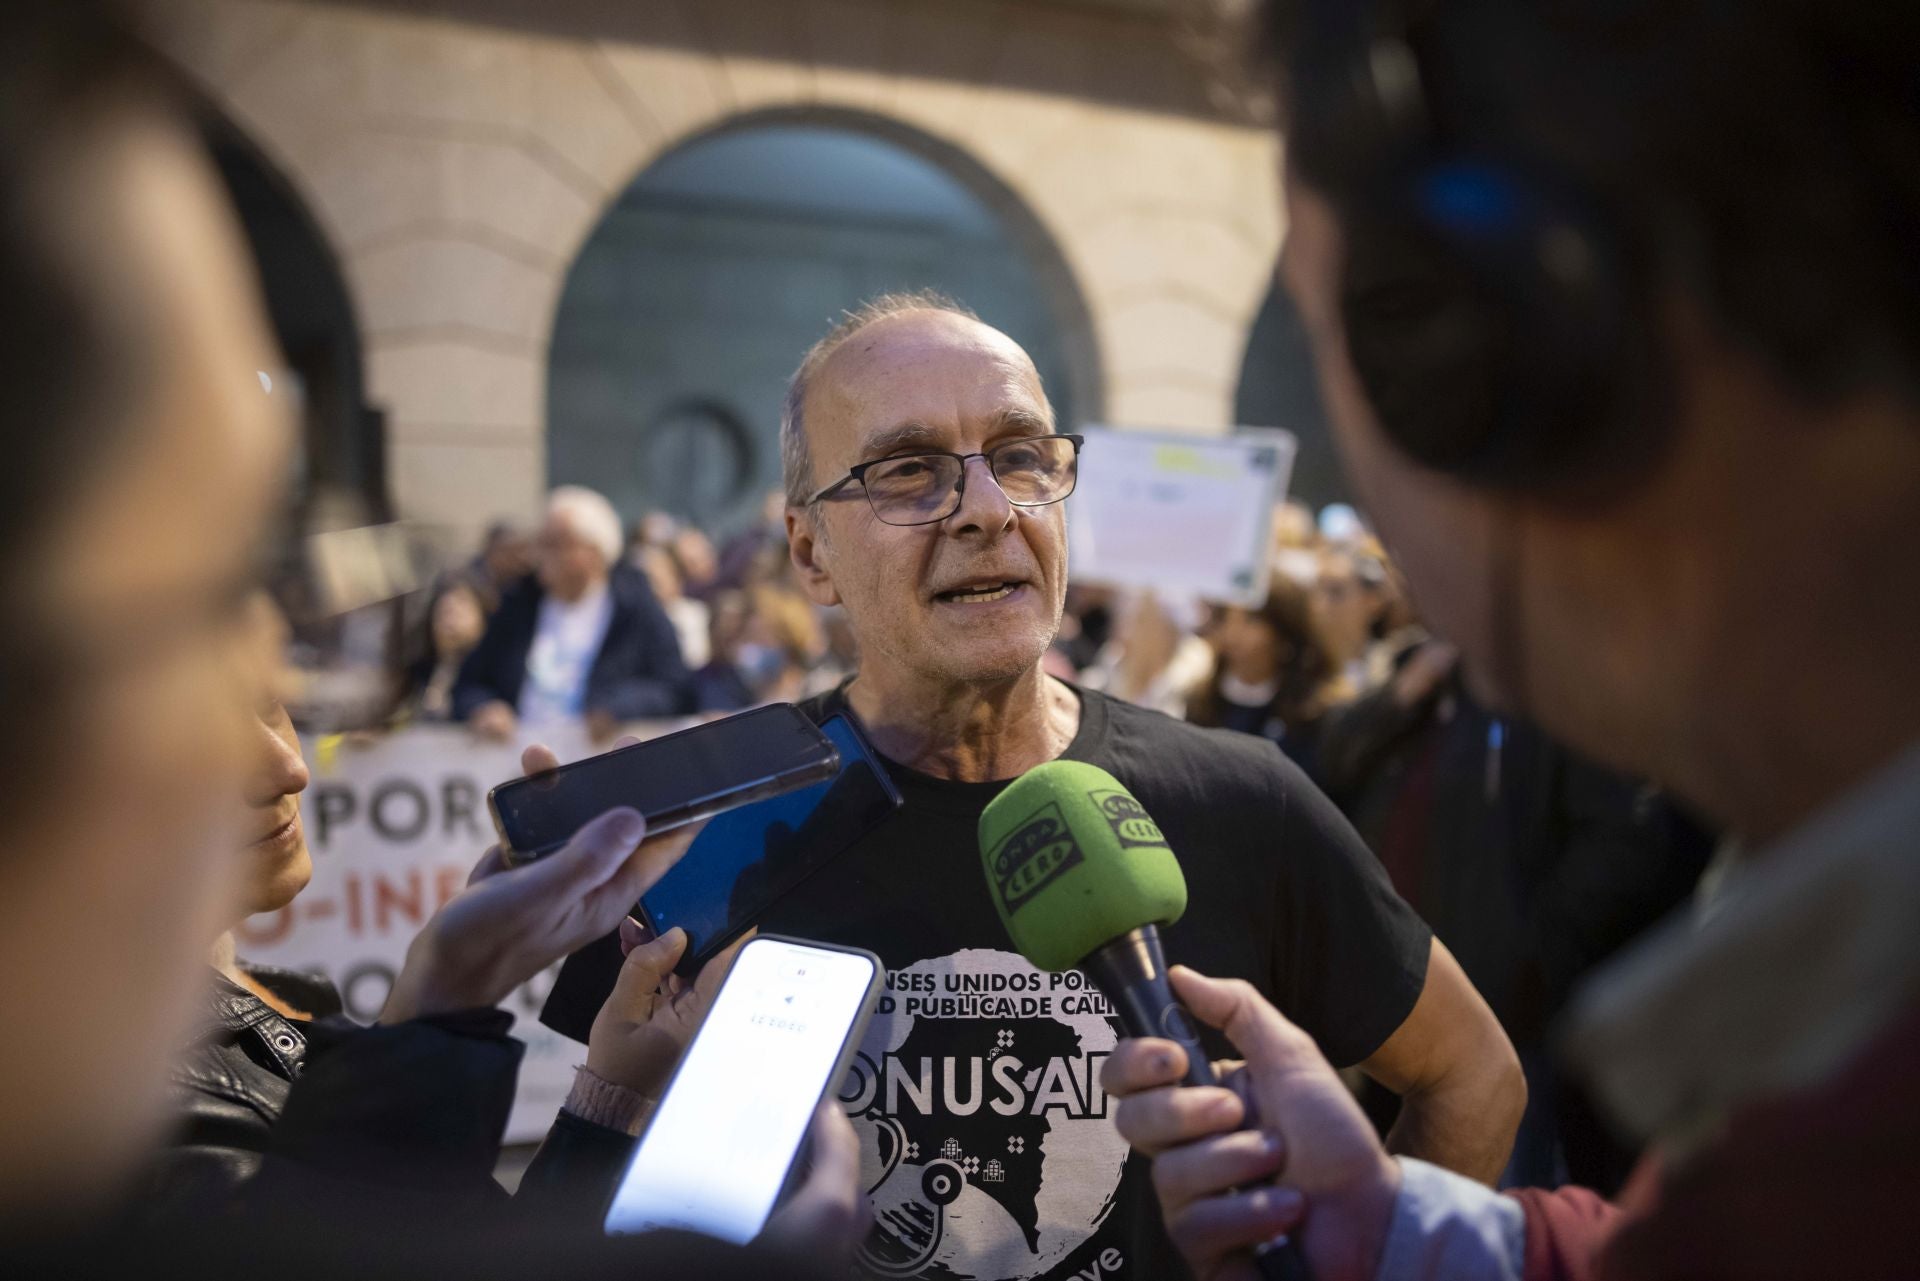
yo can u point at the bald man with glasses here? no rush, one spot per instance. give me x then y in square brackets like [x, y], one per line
[925, 480]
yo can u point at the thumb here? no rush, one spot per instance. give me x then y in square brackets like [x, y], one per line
[644, 969]
[595, 853]
[538, 758]
[1260, 1032]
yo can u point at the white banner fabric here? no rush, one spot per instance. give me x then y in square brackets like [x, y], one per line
[394, 826]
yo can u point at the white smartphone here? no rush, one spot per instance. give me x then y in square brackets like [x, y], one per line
[724, 1140]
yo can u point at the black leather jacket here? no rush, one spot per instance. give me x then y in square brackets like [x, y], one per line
[232, 1086]
[274, 1112]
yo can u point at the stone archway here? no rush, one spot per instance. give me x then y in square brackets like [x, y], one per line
[732, 251]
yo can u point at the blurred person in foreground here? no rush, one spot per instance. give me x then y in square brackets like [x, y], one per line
[925, 483]
[1643, 442]
[1274, 675]
[132, 687]
[581, 636]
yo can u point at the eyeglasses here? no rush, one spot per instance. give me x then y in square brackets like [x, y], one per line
[920, 489]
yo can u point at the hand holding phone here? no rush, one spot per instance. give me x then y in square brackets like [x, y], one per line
[727, 1134]
[674, 779]
[651, 1015]
[510, 923]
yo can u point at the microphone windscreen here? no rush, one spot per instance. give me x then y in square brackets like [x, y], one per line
[1073, 862]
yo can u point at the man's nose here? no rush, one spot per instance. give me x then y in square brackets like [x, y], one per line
[983, 504]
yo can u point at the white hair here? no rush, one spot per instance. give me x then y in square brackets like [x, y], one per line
[591, 516]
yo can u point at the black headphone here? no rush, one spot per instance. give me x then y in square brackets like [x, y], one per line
[1486, 301]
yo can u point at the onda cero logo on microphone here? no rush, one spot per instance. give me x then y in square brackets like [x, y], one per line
[1128, 819]
[1034, 853]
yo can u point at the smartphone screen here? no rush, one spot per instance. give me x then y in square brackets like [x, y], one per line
[747, 859]
[718, 1149]
[671, 780]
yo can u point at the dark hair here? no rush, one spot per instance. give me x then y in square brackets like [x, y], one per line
[1306, 671]
[1761, 156]
[67, 369]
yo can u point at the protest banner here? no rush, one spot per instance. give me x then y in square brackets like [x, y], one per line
[395, 825]
[1184, 515]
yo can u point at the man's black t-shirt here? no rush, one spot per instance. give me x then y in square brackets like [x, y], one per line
[986, 1141]
[985, 1136]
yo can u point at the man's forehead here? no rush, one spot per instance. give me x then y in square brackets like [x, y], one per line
[933, 368]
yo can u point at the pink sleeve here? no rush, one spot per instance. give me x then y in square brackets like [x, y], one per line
[1565, 1230]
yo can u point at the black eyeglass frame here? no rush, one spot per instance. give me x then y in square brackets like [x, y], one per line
[858, 473]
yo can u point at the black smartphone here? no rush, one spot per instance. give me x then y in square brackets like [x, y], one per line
[747, 859]
[725, 1140]
[672, 780]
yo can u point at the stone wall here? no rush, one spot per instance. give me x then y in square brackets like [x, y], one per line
[457, 164]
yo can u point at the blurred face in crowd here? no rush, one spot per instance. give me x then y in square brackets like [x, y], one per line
[1342, 606]
[976, 598]
[509, 556]
[694, 553]
[1252, 649]
[570, 565]
[277, 864]
[121, 867]
[458, 622]
[662, 574]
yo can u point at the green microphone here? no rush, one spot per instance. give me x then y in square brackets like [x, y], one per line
[1081, 876]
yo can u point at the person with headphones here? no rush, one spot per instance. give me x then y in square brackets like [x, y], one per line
[1616, 311]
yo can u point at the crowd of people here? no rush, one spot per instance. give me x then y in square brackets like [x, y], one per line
[1636, 504]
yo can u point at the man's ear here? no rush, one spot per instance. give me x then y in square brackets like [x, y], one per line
[804, 548]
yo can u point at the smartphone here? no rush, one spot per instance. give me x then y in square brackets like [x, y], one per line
[672, 780]
[748, 859]
[726, 1137]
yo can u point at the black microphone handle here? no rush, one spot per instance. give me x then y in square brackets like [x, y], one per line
[1131, 972]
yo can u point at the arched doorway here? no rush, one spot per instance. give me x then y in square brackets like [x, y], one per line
[340, 469]
[1278, 389]
[696, 295]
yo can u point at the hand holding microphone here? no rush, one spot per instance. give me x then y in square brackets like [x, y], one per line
[1082, 876]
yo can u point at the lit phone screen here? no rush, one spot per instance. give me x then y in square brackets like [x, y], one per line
[719, 1147]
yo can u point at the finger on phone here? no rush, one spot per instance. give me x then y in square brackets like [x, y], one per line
[707, 981]
[1168, 1117]
[641, 973]
[538, 758]
[632, 934]
[653, 859]
[595, 856]
[492, 863]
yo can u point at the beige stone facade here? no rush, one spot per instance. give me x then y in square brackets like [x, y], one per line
[457, 163]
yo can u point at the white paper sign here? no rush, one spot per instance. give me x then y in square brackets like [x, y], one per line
[394, 828]
[1184, 515]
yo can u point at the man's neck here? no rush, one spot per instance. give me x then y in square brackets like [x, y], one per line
[969, 733]
[595, 588]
